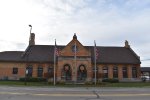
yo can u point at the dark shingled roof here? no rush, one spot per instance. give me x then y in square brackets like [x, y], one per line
[40, 53]
[11, 55]
[116, 55]
[45, 53]
[145, 69]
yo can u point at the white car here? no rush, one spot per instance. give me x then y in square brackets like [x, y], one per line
[147, 78]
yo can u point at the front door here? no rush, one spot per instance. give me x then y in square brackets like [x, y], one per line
[66, 73]
[82, 73]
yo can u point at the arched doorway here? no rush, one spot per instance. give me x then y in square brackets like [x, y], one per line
[66, 72]
[82, 73]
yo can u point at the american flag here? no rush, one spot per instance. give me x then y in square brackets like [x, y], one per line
[95, 50]
[56, 51]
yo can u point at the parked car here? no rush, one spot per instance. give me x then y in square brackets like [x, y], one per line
[145, 78]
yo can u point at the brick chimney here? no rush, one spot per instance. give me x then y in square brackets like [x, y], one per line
[32, 39]
[127, 44]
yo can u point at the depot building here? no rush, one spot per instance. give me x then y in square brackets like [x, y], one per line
[38, 61]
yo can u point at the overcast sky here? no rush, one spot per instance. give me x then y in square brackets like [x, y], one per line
[109, 22]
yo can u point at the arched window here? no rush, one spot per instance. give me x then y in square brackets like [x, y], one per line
[105, 72]
[115, 72]
[29, 71]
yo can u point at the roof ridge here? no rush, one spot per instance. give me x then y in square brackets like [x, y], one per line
[138, 57]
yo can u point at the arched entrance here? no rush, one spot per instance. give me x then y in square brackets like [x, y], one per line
[82, 73]
[66, 72]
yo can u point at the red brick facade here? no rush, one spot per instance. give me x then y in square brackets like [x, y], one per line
[70, 69]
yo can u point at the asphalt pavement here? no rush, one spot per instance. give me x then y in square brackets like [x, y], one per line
[73, 93]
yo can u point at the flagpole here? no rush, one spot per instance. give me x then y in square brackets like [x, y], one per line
[75, 58]
[54, 62]
[95, 61]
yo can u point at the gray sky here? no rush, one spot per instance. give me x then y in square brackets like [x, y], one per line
[109, 22]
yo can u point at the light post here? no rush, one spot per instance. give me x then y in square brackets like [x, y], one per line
[27, 54]
[30, 33]
[27, 69]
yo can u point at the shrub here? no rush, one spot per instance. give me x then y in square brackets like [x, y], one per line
[88, 83]
[62, 82]
[110, 80]
[33, 79]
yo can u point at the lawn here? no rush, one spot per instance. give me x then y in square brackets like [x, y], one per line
[127, 84]
[19, 83]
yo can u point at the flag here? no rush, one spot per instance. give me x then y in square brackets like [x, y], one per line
[95, 50]
[56, 51]
[75, 59]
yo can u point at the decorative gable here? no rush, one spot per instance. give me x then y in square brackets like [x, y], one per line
[69, 50]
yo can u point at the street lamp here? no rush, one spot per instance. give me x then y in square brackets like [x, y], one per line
[27, 55]
[30, 28]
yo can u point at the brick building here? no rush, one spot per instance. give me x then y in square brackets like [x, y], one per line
[38, 60]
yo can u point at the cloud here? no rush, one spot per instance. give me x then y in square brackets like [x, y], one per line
[108, 22]
[15, 46]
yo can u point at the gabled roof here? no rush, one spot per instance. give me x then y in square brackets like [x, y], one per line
[45, 53]
[67, 50]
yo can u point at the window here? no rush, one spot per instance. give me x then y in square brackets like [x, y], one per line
[29, 71]
[15, 71]
[74, 48]
[40, 72]
[50, 72]
[125, 74]
[134, 72]
[115, 72]
[105, 72]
